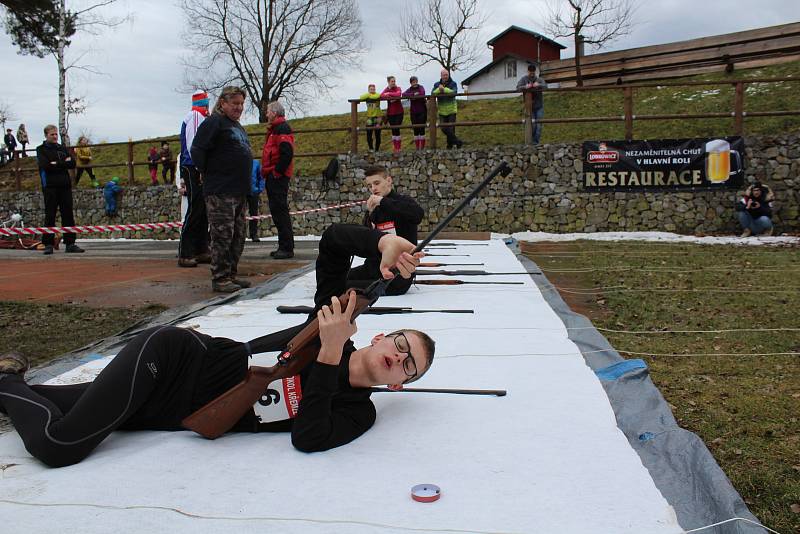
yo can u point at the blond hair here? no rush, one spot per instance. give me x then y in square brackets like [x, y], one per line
[227, 93]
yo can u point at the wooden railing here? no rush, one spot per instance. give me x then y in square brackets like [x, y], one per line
[628, 117]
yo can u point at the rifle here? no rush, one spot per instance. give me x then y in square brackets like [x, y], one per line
[453, 255]
[469, 273]
[434, 264]
[374, 310]
[459, 245]
[220, 414]
[458, 282]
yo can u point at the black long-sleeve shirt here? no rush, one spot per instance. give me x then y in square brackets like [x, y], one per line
[331, 412]
[54, 161]
[221, 152]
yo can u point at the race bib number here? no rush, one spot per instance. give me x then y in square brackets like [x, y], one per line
[281, 399]
[387, 227]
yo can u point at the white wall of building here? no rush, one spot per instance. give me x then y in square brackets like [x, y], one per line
[501, 77]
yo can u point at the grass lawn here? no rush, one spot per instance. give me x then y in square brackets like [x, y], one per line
[44, 331]
[727, 385]
[648, 101]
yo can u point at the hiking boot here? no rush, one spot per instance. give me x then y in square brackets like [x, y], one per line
[241, 283]
[187, 262]
[48, 249]
[282, 254]
[225, 286]
[74, 249]
[747, 233]
[13, 363]
[205, 257]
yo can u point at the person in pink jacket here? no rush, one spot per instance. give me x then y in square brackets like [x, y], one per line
[394, 111]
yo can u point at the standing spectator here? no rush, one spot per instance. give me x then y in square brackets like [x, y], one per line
[167, 163]
[755, 210]
[111, 192]
[448, 107]
[11, 143]
[3, 153]
[277, 166]
[389, 212]
[533, 83]
[222, 154]
[256, 188]
[418, 111]
[374, 116]
[153, 157]
[54, 162]
[394, 110]
[84, 155]
[22, 137]
[193, 245]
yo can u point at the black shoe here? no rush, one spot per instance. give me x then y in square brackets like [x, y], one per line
[241, 283]
[255, 239]
[272, 254]
[74, 249]
[48, 249]
[282, 254]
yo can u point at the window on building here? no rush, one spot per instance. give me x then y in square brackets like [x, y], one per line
[511, 69]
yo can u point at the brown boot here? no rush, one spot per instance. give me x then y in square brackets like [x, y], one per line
[241, 283]
[187, 262]
[747, 233]
[13, 363]
[224, 286]
[768, 231]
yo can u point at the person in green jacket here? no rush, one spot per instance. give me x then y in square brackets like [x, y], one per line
[447, 107]
[374, 116]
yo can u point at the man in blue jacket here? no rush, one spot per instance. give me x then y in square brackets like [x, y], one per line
[54, 163]
[256, 188]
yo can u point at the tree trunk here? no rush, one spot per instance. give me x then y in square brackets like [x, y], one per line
[62, 75]
[578, 47]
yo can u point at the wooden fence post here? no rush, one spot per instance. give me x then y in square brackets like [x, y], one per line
[130, 161]
[527, 97]
[738, 109]
[18, 171]
[433, 118]
[628, 104]
[353, 127]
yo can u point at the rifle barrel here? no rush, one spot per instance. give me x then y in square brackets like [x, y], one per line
[490, 392]
[458, 282]
[374, 310]
[470, 273]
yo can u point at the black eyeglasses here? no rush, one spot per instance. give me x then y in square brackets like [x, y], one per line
[402, 345]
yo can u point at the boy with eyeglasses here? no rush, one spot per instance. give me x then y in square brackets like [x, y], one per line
[166, 373]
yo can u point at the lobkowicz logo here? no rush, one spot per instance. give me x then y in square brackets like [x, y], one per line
[602, 155]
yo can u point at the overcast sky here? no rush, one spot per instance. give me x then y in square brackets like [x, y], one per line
[138, 94]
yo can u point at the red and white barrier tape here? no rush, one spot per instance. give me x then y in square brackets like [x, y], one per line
[144, 226]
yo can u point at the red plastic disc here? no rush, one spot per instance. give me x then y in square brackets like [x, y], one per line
[426, 493]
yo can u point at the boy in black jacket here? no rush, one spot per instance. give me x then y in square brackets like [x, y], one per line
[387, 211]
[54, 162]
[166, 373]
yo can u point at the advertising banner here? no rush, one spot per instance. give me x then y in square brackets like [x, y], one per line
[664, 164]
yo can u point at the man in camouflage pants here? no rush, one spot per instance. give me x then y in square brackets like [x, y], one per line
[226, 217]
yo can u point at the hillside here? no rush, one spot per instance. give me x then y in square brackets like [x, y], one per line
[656, 100]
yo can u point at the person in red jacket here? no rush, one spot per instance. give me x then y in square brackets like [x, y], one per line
[394, 111]
[277, 167]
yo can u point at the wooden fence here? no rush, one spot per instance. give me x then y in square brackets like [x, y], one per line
[628, 116]
[747, 49]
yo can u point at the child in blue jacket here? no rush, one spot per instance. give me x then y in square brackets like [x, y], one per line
[110, 192]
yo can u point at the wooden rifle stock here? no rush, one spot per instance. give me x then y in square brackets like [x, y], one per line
[219, 415]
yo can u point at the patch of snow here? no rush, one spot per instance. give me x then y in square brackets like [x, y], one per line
[663, 237]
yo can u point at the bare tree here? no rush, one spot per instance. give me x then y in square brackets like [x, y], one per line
[446, 32]
[594, 22]
[6, 115]
[53, 36]
[289, 49]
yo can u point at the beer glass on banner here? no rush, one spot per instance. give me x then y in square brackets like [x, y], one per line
[718, 161]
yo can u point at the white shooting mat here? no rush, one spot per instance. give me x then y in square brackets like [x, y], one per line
[548, 457]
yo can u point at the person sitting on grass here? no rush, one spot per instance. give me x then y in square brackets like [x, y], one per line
[166, 373]
[754, 210]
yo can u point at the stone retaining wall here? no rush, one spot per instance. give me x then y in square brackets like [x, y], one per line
[541, 194]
